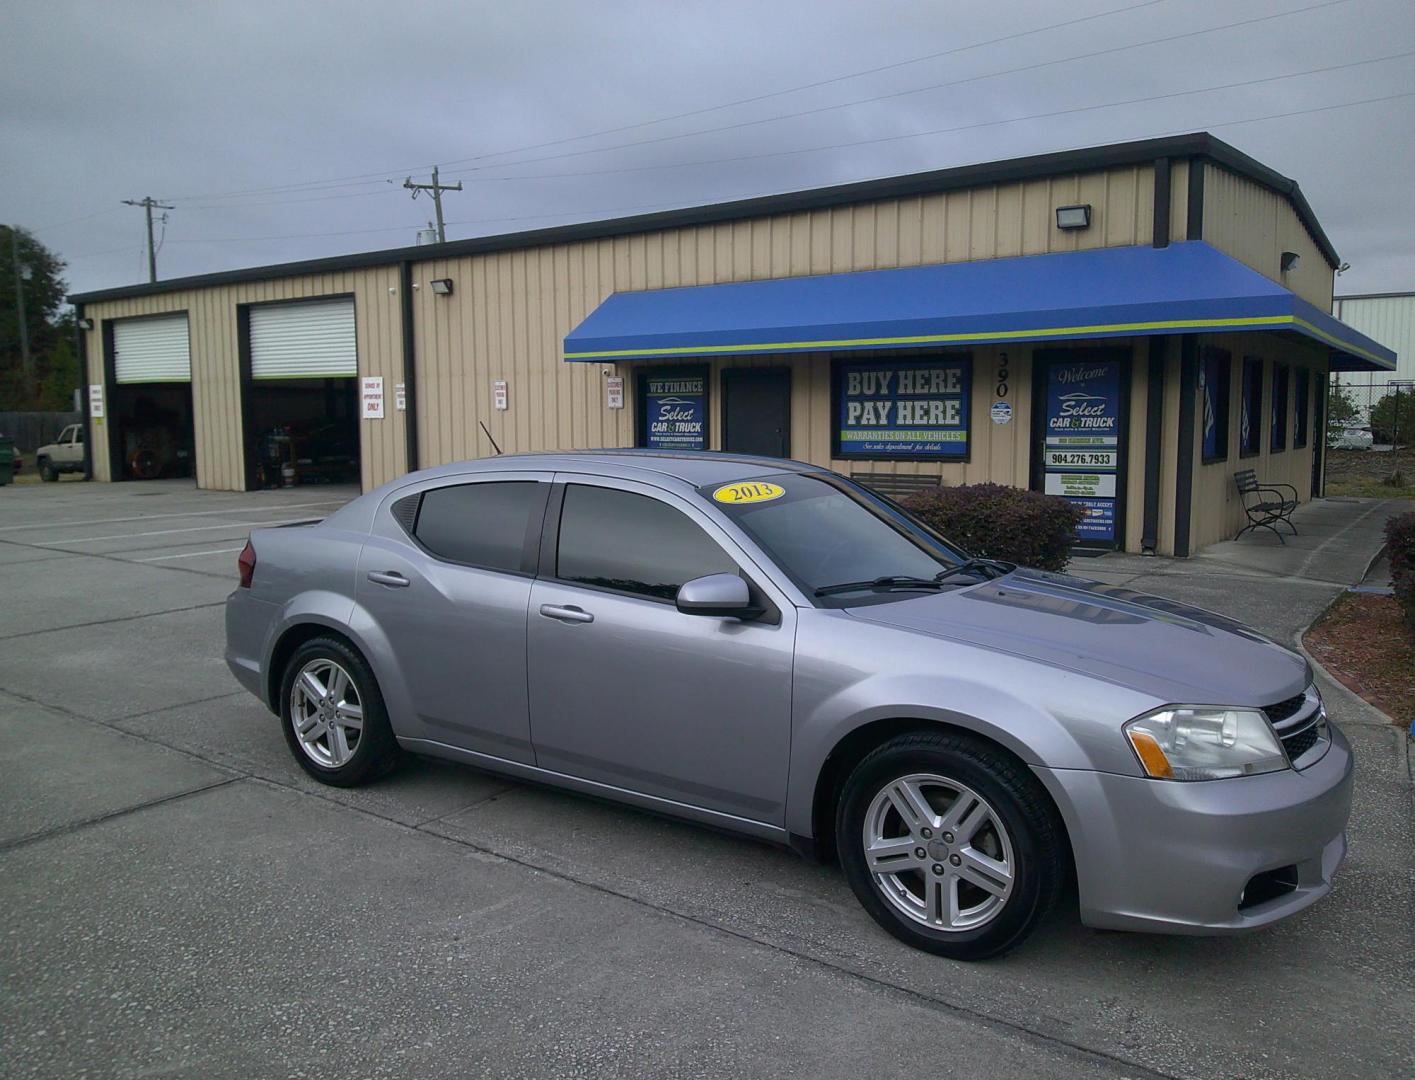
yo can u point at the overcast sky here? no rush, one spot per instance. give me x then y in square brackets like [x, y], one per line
[274, 128]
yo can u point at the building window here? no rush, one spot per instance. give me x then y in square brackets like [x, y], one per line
[903, 410]
[631, 543]
[1250, 426]
[1277, 428]
[1302, 384]
[1214, 381]
[484, 525]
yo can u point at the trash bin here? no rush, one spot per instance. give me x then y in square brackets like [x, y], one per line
[7, 459]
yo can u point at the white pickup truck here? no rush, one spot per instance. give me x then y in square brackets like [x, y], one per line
[64, 454]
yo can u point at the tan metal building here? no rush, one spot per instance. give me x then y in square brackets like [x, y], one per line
[1126, 325]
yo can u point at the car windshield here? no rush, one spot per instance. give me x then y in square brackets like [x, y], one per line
[840, 543]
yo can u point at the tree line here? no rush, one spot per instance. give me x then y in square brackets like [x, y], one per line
[30, 269]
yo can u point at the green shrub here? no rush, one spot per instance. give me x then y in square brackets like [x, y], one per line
[1400, 543]
[999, 522]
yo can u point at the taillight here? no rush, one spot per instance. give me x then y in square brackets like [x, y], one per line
[246, 563]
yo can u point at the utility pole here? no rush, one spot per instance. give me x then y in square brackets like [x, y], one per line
[148, 203]
[437, 190]
[21, 276]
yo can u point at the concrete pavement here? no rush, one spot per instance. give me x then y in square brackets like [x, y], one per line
[182, 899]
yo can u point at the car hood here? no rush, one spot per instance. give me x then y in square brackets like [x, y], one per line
[1173, 652]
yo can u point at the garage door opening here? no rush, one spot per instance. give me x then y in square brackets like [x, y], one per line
[150, 412]
[302, 414]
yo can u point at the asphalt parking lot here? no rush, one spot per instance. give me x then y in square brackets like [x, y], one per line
[182, 900]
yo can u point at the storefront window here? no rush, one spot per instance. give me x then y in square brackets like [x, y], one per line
[903, 410]
[1277, 429]
[1302, 384]
[1250, 427]
[1213, 385]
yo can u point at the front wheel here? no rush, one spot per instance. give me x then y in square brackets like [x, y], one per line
[47, 471]
[333, 715]
[950, 844]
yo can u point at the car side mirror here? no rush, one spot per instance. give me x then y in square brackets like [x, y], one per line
[721, 595]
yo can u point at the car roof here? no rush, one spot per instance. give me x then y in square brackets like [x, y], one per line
[696, 467]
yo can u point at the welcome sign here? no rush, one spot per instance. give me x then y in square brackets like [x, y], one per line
[1082, 443]
[675, 412]
[903, 409]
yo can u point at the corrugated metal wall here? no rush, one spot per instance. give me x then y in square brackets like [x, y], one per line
[1256, 226]
[215, 355]
[1389, 320]
[511, 310]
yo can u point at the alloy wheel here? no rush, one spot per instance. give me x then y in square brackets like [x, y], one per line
[326, 713]
[938, 852]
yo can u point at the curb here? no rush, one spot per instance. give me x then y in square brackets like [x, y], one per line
[1402, 742]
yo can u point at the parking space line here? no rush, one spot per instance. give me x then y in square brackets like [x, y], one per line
[189, 529]
[190, 555]
[190, 513]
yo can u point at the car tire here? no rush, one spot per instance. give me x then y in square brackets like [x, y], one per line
[934, 901]
[320, 726]
[47, 471]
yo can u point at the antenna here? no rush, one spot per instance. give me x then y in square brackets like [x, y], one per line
[489, 438]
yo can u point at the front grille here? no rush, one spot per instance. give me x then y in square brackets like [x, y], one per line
[1284, 710]
[1299, 744]
[1301, 723]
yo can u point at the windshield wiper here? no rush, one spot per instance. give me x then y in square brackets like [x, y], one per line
[990, 568]
[893, 581]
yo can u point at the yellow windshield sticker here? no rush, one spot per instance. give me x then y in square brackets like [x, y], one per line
[751, 492]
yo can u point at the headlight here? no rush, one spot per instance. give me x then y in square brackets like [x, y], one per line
[1203, 742]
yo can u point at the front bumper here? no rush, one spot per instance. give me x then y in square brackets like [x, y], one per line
[1175, 857]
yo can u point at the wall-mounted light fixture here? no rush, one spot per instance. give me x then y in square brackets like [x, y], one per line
[1290, 261]
[1074, 217]
[441, 286]
[85, 324]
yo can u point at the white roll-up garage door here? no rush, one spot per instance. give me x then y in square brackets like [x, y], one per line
[152, 350]
[312, 340]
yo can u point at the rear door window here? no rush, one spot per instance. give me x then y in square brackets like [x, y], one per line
[632, 543]
[494, 525]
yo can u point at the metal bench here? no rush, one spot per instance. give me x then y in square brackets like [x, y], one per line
[896, 486]
[1264, 511]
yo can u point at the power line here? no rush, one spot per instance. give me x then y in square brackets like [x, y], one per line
[749, 195]
[1026, 68]
[379, 177]
[825, 82]
[964, 127]
[360, 179]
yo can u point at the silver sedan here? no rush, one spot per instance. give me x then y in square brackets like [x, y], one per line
[766, 647]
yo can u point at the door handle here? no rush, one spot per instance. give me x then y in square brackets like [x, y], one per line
[569, 613]
[388, 577]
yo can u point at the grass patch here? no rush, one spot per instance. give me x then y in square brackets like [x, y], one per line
[1363, 642]
[1364, 474]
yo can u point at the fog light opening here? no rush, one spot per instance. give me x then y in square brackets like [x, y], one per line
[1269, 885]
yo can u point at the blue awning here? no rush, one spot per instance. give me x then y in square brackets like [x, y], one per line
[1112, 292]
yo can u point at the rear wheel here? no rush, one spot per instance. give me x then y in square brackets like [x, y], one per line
[950, 844]
[47, 470]
[333, 715]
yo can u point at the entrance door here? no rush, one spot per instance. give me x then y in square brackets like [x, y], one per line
[1079, 435]
[756, 411]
